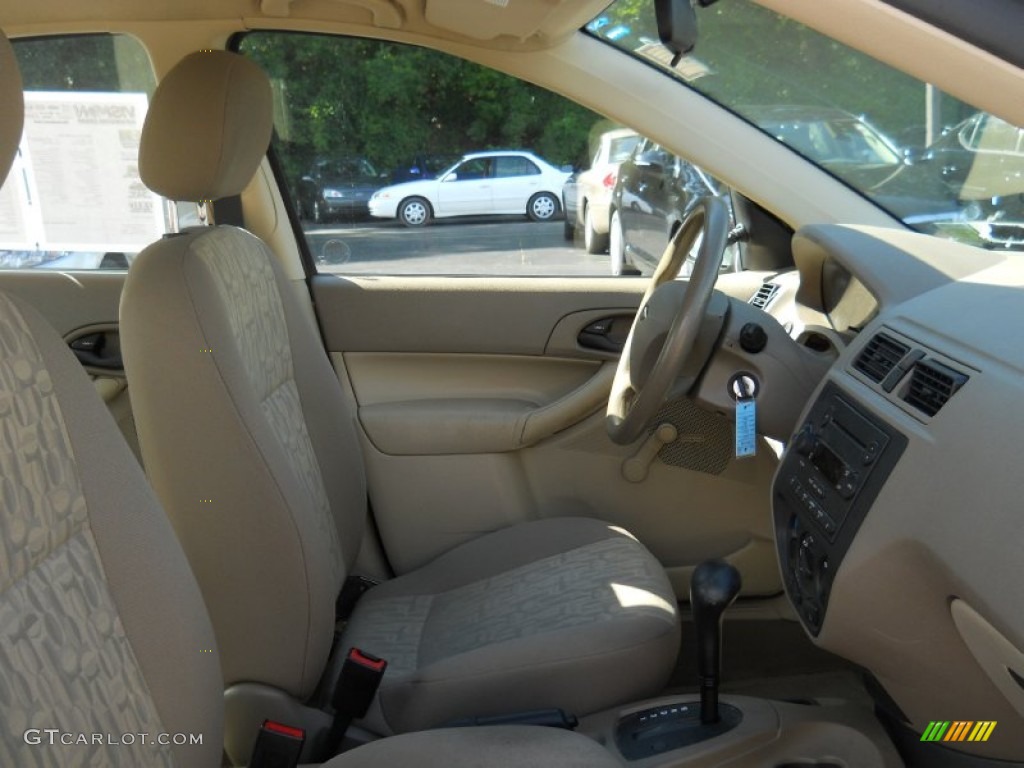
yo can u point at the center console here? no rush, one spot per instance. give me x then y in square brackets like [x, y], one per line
[837, 464]
[752, 732]
[671, 726]
[831, 475]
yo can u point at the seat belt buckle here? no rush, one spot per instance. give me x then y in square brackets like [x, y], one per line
[358, 683]
[277, 746]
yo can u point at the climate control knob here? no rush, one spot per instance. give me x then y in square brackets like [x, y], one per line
[805, 440]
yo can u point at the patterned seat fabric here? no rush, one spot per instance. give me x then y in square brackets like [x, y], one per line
[557, 613]
[61, 639]
[68, 650]
[106, 651]
[111, 662]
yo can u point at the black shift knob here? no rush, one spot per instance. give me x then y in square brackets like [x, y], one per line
[713, 587]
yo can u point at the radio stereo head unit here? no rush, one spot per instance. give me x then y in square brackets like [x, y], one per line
[830, 476]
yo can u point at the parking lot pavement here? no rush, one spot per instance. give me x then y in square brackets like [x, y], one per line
[478, 246]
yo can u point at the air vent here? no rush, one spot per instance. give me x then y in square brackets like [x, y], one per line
[880, 356]
[931, 385]
[764, 295]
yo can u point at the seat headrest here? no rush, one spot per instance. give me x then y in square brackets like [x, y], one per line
[12, 107]
[207, 129]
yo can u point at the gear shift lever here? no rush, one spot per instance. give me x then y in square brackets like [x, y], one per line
[676, 725]
[713, 587]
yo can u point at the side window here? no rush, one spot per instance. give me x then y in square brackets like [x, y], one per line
[641, 146]
[620, 149]
[473, 170]
[433, 126]
[74, 199]
[662, 156]
[414, 114]
[514, 165]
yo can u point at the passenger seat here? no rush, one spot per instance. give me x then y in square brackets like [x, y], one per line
[253, 451]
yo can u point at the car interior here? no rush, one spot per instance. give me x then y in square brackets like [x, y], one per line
[260, 510]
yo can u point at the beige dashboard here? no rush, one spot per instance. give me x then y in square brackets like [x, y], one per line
[898, 505]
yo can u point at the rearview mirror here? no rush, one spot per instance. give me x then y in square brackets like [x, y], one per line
[677, 26]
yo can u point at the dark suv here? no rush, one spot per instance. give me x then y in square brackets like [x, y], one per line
[338, 187]
[654, 193]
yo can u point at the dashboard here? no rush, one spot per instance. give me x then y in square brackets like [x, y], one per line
[846, 303]
[898, 505]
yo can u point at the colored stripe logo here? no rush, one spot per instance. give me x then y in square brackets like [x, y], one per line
[958, 730]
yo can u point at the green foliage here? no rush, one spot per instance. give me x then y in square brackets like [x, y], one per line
[84, 63]
[760, 58]
[757, 58]
[390, 102]
[49, 64]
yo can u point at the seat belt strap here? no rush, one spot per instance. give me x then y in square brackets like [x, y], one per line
[353, 588]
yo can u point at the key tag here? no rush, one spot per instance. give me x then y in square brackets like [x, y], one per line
[744, 390]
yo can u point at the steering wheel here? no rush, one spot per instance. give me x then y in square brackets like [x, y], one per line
[662, 343]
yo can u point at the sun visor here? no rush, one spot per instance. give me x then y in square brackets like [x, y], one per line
[519, 19]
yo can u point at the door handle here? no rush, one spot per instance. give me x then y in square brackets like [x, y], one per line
[98, 349]
[607, 334]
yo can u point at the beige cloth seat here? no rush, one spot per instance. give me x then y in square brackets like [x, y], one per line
[102, 626]
[251, 448]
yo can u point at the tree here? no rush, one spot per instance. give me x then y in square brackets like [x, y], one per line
[389, 102]
[109, 63]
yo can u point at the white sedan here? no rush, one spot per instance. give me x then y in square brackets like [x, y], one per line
[496, 182]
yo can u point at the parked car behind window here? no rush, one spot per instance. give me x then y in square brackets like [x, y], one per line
[654, 193]
[475, 160]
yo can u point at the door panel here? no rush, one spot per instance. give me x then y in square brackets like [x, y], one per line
[510, 195]
[68, 300]
[77, 305]
[484, 315]
[516, 179]
[445, 373]
[461, 197]
[422, 404]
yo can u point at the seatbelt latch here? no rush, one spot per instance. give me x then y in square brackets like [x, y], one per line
[358, 683]
[277, 746]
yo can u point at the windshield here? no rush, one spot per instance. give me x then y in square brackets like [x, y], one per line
[933, 161]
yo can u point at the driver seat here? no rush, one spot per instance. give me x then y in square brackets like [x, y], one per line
[250, 445]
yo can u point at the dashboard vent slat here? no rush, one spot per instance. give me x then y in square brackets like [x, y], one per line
[931, 386]
[881, 355]
[764, 295]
